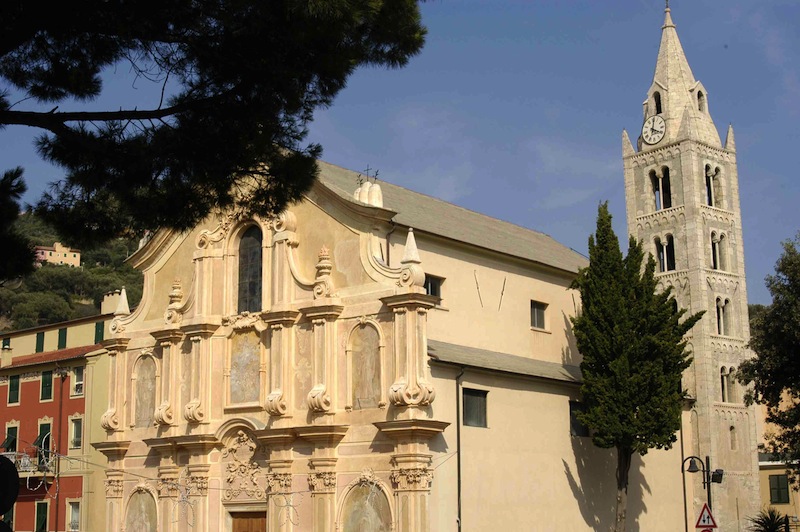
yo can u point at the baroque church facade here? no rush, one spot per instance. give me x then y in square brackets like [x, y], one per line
[377, 359]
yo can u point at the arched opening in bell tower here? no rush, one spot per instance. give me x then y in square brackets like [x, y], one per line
[657, 102]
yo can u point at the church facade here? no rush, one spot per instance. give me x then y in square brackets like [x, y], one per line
[376, 359]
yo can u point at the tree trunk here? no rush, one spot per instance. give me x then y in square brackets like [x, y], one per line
[623, 468]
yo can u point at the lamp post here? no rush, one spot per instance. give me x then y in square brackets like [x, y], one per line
[708, 475]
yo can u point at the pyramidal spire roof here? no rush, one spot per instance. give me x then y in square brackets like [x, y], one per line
[672, 66]
[684, 101]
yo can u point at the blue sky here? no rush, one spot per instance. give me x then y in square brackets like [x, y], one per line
[515, 109]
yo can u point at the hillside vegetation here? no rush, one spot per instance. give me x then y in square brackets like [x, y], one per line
[55, 293]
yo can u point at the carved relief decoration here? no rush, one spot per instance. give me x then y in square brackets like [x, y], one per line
[279, 482]
[245, 320]
[242, 472]
[226, 220]
[410, 479]
[114, 487]
[322, 482]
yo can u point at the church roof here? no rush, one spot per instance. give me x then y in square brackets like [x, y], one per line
[494, 361]
[430, 215]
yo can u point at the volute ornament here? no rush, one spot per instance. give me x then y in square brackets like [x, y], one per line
[109, 420]
[163, 414]
[318, 399]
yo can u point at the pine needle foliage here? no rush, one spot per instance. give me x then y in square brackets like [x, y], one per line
[631, 336]
[239, 82]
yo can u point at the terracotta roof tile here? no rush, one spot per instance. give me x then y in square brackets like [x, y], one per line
[69, 353]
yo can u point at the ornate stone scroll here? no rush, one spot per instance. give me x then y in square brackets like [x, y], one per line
[242, 473]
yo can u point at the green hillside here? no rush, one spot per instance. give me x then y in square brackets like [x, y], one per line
[54, 293]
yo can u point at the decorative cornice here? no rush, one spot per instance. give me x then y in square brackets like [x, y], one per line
[411, 430]
[328, 434]
[113, 450]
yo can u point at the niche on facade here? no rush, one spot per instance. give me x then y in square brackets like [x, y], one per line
[244, 369]
[145, 389]
[366, 506]
[365, 371]
[141, 514]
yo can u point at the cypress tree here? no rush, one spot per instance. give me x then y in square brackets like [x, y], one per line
[631, 337]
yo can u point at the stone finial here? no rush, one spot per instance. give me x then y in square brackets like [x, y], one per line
[369, 193]
[730, 142]
[668, 18]
[363, 192]
[411, 273]
[323, 284]
[176, 295]
[411, 254]
[122, 307]
[375, 195]
[627, 147]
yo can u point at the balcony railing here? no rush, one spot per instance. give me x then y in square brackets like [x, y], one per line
[29, 464]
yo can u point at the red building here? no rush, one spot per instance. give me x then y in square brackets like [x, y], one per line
[42, 413]
[44, 392]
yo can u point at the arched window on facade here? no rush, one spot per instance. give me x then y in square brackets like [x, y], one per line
[670, 253]
[250, 263]
[657, 102]
[733, 438]
[665, 253]
[662, 195]
[714, 191]
[723, 384]
[733, 396]
[701, 101]
[661, 257]
[666, 192]
[723, 317]
[715, 262]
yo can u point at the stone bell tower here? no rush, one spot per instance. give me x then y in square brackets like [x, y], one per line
[682, 199]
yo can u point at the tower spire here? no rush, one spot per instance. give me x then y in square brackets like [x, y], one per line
[682, 101]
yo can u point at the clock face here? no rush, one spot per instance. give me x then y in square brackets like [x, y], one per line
[653, 129]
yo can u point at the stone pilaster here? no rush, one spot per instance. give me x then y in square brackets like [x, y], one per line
[322, 472]
[198, 407]
[114, 451]
[281, 516]
[168, 341]
[411, 472]
[281, 349]
[116, 387]
[323, 316]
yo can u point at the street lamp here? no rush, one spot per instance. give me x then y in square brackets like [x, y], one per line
[708, 475]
